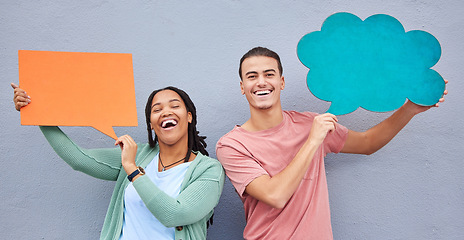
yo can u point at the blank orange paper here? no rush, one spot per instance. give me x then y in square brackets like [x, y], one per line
[78, 89]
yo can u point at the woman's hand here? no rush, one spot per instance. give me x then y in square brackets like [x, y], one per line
[128, 153]
[20, 98]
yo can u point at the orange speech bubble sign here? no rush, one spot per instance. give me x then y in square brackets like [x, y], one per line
[78, 89]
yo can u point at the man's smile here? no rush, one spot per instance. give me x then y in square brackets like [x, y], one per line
[262, 92]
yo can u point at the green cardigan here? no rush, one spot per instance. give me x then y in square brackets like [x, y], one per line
[199, 194]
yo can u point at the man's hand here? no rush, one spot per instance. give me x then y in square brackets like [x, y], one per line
[322, 125]
[416, 109]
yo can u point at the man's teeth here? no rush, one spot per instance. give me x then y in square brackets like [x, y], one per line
[263, 92]
[169, 123]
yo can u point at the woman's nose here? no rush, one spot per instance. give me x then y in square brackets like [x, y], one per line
[166, 113]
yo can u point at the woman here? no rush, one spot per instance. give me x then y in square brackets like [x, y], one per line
[172, 175]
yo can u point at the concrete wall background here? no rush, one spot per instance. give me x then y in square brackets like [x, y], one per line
[411, 189]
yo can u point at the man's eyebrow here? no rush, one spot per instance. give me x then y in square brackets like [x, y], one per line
[265, 71]
[170, 101]
[251, 72]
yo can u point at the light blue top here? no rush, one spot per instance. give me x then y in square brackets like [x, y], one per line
[136, 214]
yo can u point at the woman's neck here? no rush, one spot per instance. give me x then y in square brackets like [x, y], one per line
[171, 155]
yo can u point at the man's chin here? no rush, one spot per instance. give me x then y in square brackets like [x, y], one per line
[263, 107]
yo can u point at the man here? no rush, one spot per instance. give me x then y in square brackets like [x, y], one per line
[275, 160]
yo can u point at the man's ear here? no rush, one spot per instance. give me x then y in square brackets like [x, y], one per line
[282, 86]
[241, 87]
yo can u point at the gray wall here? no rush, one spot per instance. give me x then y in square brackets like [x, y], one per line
[411, 189]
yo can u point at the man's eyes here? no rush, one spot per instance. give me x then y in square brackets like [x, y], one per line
[255, 76]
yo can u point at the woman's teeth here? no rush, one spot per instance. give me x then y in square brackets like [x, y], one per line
[168, 123]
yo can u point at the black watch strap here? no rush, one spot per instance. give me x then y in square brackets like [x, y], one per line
[137, 171]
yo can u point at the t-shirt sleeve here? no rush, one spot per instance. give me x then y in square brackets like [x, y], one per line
[335, 140]
[238, 163]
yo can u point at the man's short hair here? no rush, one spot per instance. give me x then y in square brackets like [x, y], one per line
[261, 51]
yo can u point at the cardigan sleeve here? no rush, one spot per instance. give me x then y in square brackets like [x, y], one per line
[192, 204]
[100, 163]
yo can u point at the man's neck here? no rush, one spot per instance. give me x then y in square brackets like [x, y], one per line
[263, 119]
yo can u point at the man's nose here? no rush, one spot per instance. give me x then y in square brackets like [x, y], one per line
[261, 81]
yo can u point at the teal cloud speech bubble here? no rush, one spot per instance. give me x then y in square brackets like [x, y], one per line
[373, 64]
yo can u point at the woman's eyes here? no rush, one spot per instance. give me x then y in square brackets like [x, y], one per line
[156, 110]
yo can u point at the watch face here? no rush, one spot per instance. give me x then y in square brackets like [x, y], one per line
[142, 171]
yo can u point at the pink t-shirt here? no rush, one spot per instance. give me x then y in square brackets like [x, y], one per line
[248, 155]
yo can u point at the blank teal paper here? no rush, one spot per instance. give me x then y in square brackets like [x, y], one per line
[373, 64]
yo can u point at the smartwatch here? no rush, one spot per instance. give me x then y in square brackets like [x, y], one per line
[137, 171]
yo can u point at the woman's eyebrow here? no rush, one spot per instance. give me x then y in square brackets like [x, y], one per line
[172, 100]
